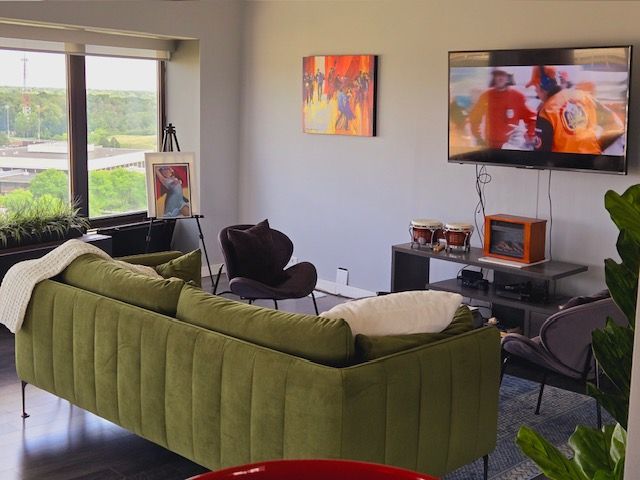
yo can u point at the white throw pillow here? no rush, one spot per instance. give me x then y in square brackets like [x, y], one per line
[425, 311]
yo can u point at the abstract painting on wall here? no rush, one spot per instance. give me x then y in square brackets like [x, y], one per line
[339, 95]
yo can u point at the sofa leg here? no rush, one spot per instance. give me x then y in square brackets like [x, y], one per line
[315, 305]
[544, 379]
[275, 303]
[485, 461]
[24, 413]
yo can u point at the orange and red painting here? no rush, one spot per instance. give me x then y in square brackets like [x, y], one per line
[338, 95]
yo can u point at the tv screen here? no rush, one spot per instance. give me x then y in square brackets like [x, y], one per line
[560, 108]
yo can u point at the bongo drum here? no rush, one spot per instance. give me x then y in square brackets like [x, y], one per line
[425, 232]
[458, 236]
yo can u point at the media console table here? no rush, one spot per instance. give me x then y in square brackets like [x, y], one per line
[410, 271]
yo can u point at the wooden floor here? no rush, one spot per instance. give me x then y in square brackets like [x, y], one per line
[60, 441]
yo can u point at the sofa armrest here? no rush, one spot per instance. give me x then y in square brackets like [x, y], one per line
[444, 394]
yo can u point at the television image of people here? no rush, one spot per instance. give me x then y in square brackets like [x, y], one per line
[550, 108]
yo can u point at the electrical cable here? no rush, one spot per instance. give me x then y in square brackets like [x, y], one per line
[482, 179]
[550, 216]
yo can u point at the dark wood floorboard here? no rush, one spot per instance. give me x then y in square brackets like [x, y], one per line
[61, 441]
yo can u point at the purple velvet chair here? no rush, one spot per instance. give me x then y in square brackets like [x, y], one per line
[562, 356]
[297, 281]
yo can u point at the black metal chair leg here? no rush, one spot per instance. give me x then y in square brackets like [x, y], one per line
[485, 461]
[251, 301]
[544, 380]
[24, 413]
[275, 303]
[315, 305]
[503, 368]
[215, 286]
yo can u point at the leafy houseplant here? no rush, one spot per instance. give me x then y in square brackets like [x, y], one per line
[600, 454]
[44, 219]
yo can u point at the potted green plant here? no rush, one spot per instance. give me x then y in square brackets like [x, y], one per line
[44, 219]
[600, 454]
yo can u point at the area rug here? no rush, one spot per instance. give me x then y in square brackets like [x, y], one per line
[560, 413]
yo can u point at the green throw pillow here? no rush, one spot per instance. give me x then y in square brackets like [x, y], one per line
[187, 267]
[371, 347]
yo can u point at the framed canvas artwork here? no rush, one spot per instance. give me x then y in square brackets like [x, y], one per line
[172, 189]
[339, 95]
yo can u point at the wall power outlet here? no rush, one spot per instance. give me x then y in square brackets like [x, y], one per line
[342, 276]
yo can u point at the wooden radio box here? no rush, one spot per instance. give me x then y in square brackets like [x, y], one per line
[519, 239]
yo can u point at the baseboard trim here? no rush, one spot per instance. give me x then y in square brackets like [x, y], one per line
[326, 286]
[343, 290]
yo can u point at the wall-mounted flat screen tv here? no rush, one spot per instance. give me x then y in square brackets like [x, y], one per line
[556, 108]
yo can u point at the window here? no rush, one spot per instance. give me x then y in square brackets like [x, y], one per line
[122, 124]
[34, 153]
[77, 127]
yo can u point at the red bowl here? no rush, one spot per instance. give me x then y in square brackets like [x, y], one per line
[313, 470]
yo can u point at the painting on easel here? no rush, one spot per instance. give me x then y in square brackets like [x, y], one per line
[171, 186]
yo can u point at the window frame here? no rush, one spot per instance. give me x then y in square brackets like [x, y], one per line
[78, 132]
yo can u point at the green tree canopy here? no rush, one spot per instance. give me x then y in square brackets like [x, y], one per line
[16, 200]
[116, 191]
[51, 182]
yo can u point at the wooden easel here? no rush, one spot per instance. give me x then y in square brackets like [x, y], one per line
[168, 140]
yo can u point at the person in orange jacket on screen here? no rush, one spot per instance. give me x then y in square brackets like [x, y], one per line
[502, 108]
[571, 120]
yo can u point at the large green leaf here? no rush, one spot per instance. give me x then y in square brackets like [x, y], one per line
[613, 348]
[632, 194]
[591, 449]
[625, 210]
[623, 285]
[548, 458]
[629, 252]
[618, 444]
[616, 403]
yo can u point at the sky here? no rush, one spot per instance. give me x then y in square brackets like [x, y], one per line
[103, 73]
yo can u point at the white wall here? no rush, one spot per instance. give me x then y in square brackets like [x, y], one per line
[204, 83]
[346, 200]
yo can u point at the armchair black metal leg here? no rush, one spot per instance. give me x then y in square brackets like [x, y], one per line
[24, 413]
[215, 286]
[315, 305]
[503, 368]
[485, 461]
[275, 303]
[251, 301]
[544, 380]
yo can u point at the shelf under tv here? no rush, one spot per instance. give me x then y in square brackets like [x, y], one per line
[490, 296]
[410, 271]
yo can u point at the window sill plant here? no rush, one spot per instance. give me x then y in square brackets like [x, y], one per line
[44, 219]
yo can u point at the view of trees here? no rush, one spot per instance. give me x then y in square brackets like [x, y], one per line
[112, 191]
[111, 115]
[116, 119]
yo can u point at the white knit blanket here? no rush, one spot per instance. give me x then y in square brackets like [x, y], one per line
[21, 279]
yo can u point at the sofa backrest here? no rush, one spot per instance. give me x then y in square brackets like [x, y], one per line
[107, 278]
[322, 340]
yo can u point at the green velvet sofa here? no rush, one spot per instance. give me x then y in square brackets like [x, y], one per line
[224, 383]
